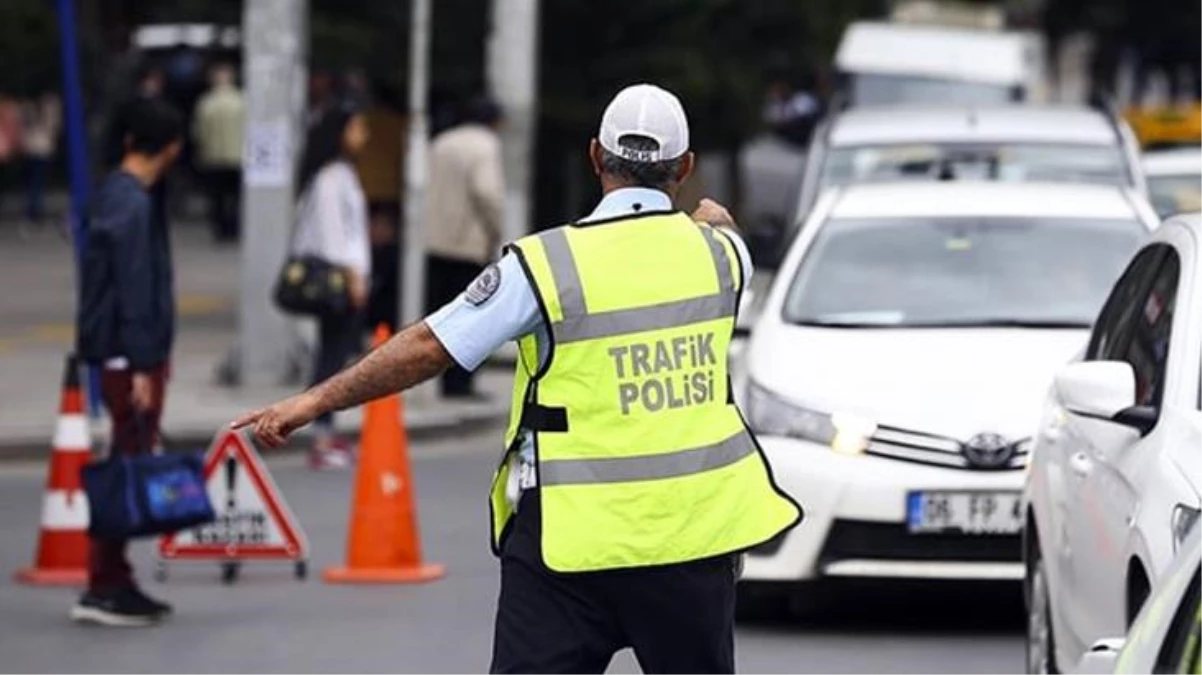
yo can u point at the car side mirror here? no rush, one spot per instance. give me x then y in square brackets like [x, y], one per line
[1104, 390]
[1102, 656]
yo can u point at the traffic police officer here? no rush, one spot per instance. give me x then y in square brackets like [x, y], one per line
[630, 482]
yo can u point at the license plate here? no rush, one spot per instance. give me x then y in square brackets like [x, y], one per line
[976, 512]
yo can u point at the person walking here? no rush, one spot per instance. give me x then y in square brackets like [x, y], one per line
[217, 131]
[332, 225]
[43, 119]
[126, 326]
[11, 139]
[466, 202]
[630, 483]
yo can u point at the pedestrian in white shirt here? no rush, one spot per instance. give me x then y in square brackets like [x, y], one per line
[464, 207]
[217, 129]
[332, 224]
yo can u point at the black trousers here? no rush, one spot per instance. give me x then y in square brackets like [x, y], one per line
[225, 190]
[338, 339]
[446, 278]
[677, 618]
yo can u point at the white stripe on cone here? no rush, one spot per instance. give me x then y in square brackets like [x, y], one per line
[65, 510]
[71, 433]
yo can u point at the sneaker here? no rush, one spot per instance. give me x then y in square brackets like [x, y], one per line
[114, 608]
[160, 607]
[329, 459]
[351, 450]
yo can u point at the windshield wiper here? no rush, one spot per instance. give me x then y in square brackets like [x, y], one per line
[809, 323]
[1000, 323]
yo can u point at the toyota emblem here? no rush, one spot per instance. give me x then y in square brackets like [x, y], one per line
[988, 451]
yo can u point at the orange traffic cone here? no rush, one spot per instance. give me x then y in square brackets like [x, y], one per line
[383, 546]
[62, 557]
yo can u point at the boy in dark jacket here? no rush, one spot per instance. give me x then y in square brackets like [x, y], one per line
[126, 326]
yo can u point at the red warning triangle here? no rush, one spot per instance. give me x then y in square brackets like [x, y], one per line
[253, 520]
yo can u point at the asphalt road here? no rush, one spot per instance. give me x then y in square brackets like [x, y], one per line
[269, 622]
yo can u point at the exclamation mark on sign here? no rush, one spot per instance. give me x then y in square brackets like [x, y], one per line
[231, 470]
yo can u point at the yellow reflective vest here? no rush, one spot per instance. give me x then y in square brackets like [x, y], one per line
[642, 457]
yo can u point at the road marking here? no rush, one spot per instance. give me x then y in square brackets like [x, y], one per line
[54, 332]
[202, 304]
[62, 332]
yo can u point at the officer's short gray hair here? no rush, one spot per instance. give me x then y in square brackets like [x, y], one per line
[655, 175]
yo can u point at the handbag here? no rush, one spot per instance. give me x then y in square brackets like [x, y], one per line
[146, 495]
[311, 286]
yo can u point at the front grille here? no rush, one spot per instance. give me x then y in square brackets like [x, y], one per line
[922, 448]
[857, 539]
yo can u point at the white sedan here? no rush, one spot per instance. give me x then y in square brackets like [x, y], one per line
[895, 374]
[1114, 483]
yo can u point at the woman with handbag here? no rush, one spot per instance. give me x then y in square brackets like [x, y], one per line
[332, 228]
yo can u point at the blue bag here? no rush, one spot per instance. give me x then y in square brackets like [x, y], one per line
[146, 495]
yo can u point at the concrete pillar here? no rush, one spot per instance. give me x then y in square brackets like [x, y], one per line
[275, 39]
[513, 81]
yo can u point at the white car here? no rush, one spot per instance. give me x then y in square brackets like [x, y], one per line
[895, 373]
[1166, 635]
[1114, 482]
[1174, 180]
[1053, 143]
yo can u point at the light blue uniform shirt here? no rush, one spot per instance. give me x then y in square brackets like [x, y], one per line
[470, 333]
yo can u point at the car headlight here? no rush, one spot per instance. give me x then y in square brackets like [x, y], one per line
[771, 415]
[1184, 518]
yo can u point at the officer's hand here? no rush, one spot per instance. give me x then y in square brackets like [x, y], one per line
[272, 425]
[710, 211]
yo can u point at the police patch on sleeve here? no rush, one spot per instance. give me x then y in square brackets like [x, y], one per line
[484, 286]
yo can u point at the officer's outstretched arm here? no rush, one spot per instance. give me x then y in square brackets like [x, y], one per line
[410, 357]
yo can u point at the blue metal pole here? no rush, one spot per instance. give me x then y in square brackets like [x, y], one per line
[77, 155]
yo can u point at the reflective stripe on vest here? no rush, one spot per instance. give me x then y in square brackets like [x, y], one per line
[647, 467]
[580, 325]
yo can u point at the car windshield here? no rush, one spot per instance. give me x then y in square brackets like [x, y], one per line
[1010, 162]
[876, 89]
[902, 272]
[1172, 194]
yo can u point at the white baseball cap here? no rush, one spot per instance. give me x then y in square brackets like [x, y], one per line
[645, 110]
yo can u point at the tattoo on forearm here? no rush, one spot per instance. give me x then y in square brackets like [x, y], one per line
[412, 356]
